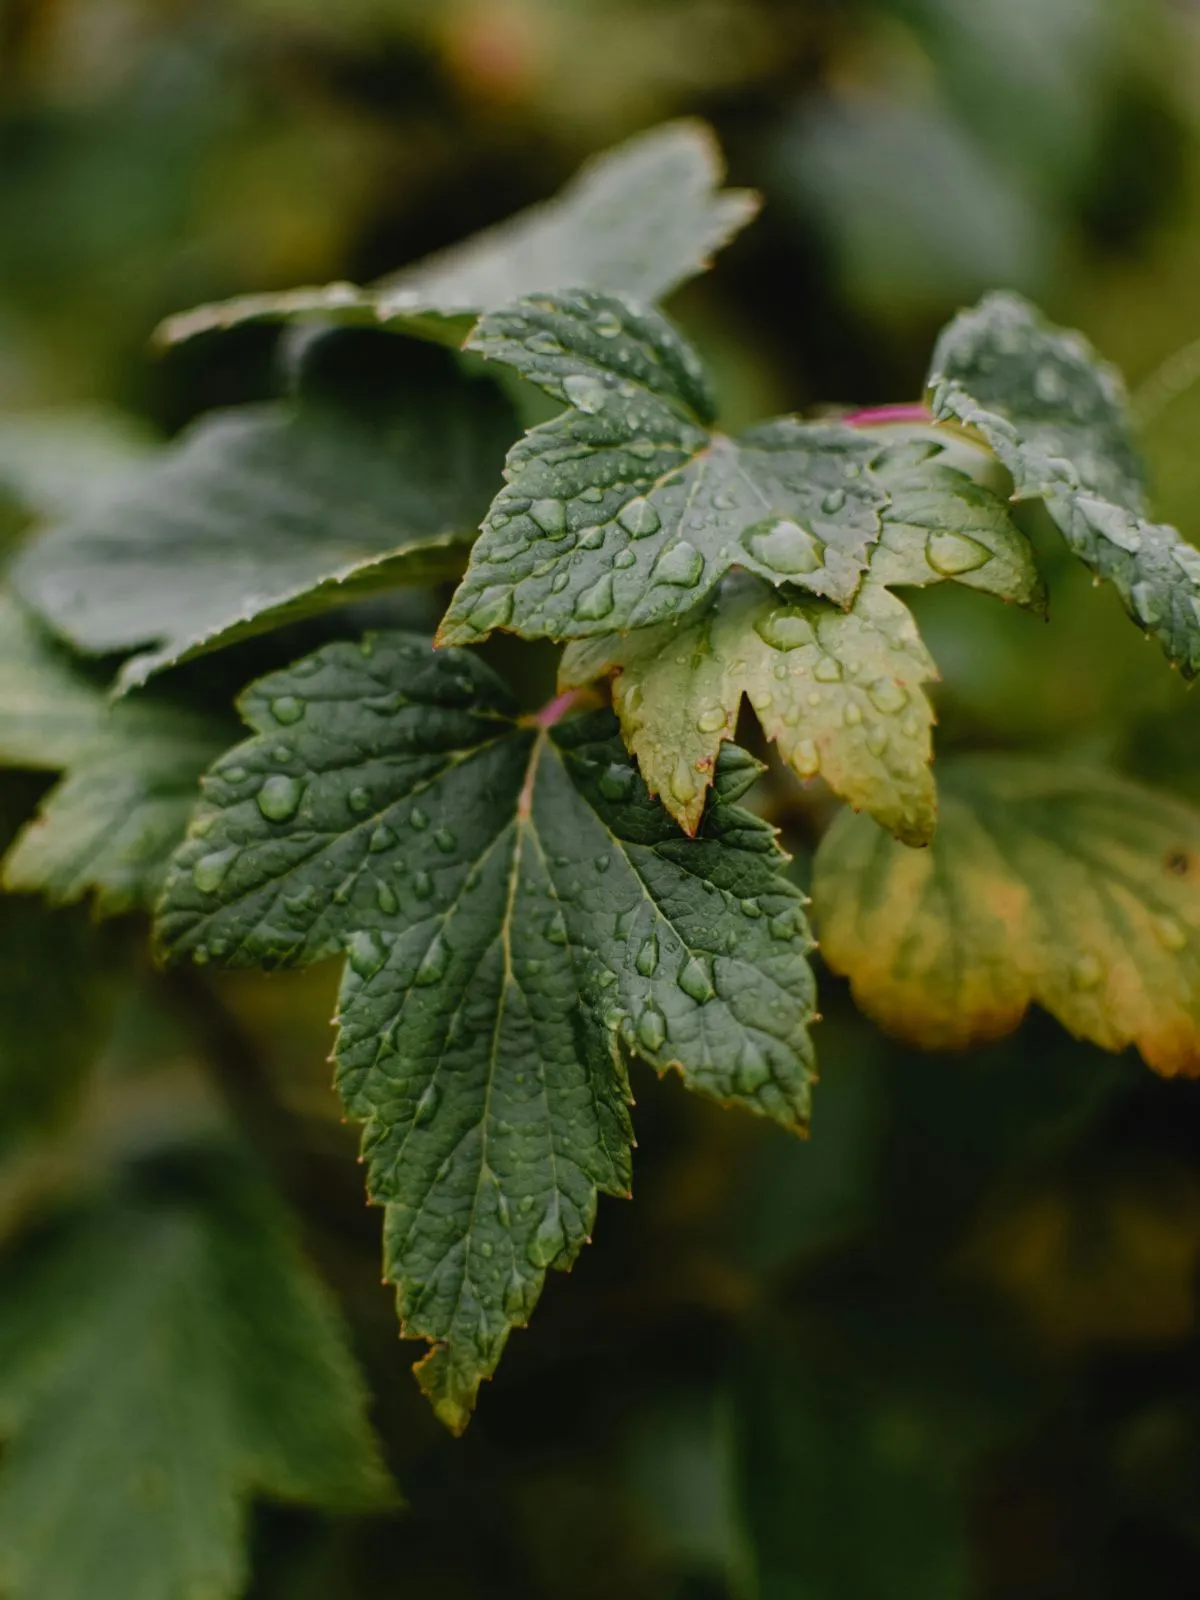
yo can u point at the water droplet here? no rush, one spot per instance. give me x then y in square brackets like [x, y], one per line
[422, 886]
[493, 609]
[385, 899]
[953, 553]
[586, 392]
[753, 1069]
[279, 798]
[680, 564]
[382, 839]
[852, 715]
[607, 324]
[647, 957]
[1145, 604]
[434, 963]
[616, 782]
[1187, 560]
[306, 667]
[1050, 384]
[560, 582]
[784, 547]
[427, 1105]
[549, 1241]
[783, 926]
[683, 781]
[806, 759]
[591, 538]
[445, 840]
[833, 502]
[209, 872]
[550, 516]
[596, 602]
[503, 1215]
[827, 670]
[1170, 933]
[711, 721]
[876, 740]
[233, 774]
[367, 953]
[887, 696]
[639, 518]
[652, 1029]
[286, 708]
[1087, 972]
[593, 494]
[696, 980]
[602, 863]
[751, 908]
[624, 558]
[514, 1296]
[418, 819]
[784, 630]
[555, 931]
[359, 799]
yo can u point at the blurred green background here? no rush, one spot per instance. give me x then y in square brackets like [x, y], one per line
[950, 1347]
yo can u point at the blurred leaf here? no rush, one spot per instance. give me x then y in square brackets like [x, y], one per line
[132, 774]
[515, 909]
[54, 461]
[1070, 888]
[373, 477]
[638, 220]
[162, 1358]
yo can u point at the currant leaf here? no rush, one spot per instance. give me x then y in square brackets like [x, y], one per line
[518, 915]
[1070, 888]
[639, 220]
[266, 514]
[1056, 418]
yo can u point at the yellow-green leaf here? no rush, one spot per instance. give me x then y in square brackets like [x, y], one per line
[1070, 888]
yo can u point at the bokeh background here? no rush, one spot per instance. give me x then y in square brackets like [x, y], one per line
[949, 1348]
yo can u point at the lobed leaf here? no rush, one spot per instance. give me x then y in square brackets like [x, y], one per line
[132, 775]
[161, 1360]
[1056, 418]
[265, 514]
[839, 692]
[1073, 889]
[639, 220]
[627, 510]
[517, 914]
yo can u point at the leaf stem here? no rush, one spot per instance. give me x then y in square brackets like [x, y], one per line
[882, 416]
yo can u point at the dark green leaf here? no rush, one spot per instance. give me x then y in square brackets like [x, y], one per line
[517, 913]
[266, 514]
[626, 510]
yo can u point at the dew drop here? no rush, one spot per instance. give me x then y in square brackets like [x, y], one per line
[751, 908]
[695, 980]
[209, 872]
[954, 553]
[445, 840]
[753, 1069]
[652, 1029]
[427, 1105]
[1145, 604]
[359, 799]
[592, 494]
[550, 516]
[279, 797]
[887, 696]
[434, 963]
[1050, 384]
[639, 518]
[1087, 972]
[596, 602]
[711, 721]
[806, 759]
[833, 502]
[1187, 560]
[647, 957]
[367, 953]
[382, 839]
[555, 931]
[493, 609]
[385, 899]
[876, 740]
[607, 324]
[624, 558]
[784, 547]
[585, 392]
[514, 1296]
[418, 819]
[591, 538]
[233, 774]
[852, 715]
[422, 886]
[287, 708]
[503, 1215]
[560, 582]
[683, 782]
[784, 631]
[1169, 933]
[680, 564]
[616, 782]
[828, 670]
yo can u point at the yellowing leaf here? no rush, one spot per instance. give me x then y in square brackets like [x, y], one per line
[838, 691]
[1070, 888]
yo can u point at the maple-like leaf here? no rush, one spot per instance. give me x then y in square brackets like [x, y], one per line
[518, 916]
[163, 1357]
[637, 220]
[132, 773]
[375, 475]
[839, 692]
[1056, 418]
[1070, 888]
[627, 509]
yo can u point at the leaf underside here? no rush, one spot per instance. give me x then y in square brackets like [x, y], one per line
[1073, 889]
[639, 220]
[159, 1363]
[266, 514]
[519, 916]
[131, 775]
[1057, 419]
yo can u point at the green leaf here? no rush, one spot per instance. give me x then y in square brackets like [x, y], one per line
[132, 774]
[626, 510]
[163, 1357]
[1072, 889]
[265, 514]
[53, 460]
[517, 914]
[1056, 418]
[840, 692]
[639, 220]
